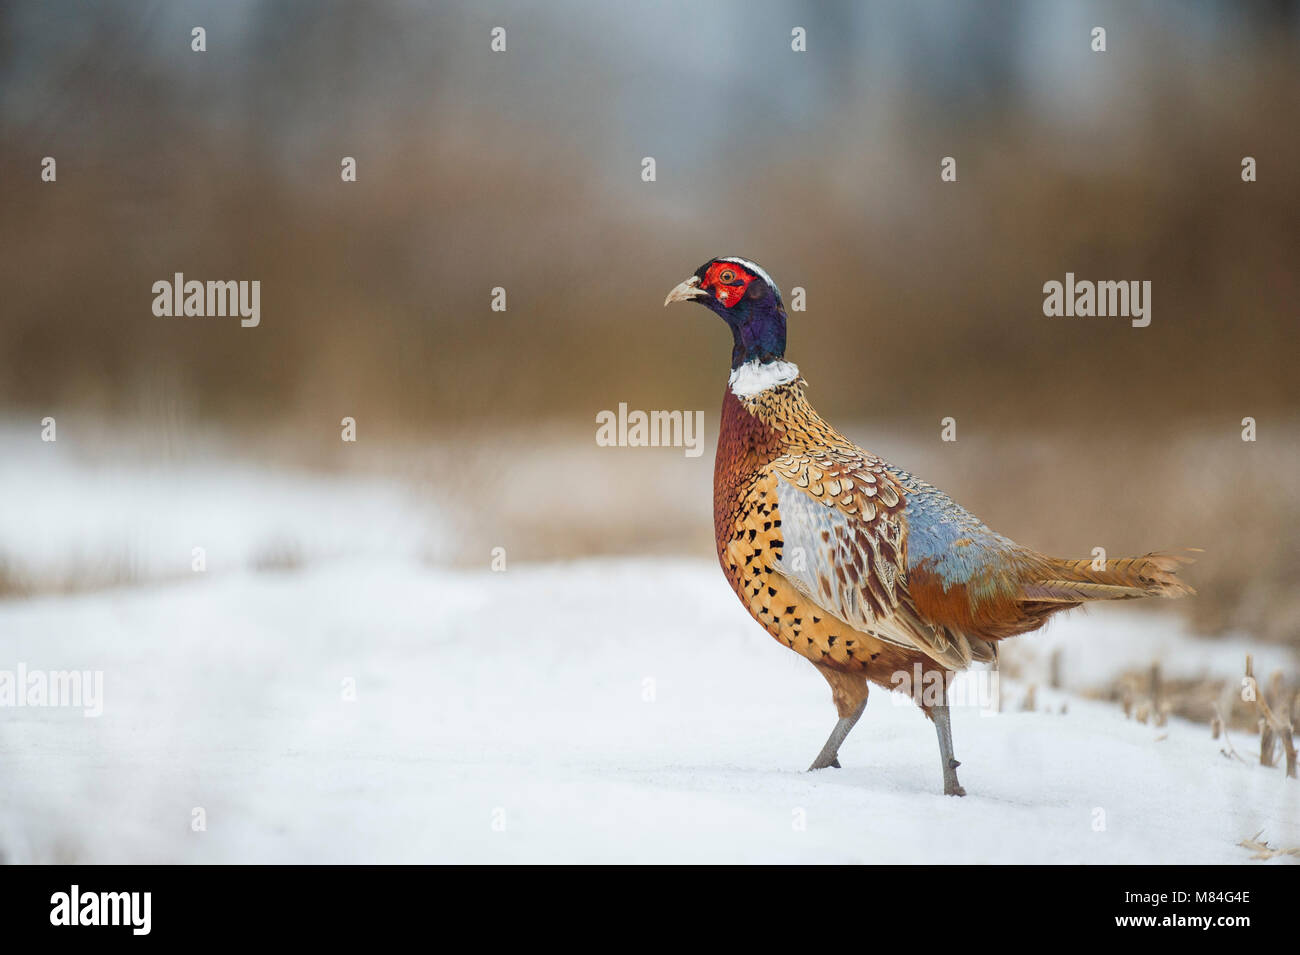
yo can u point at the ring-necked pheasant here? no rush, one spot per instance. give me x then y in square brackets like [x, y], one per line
[853, 563]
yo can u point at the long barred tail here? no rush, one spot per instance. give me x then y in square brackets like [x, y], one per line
[1124, 578]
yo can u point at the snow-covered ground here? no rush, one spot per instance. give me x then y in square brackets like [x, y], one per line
[75, 518]
[328, 689]
[598, 711]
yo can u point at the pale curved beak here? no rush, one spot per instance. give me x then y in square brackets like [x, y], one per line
[690, 289]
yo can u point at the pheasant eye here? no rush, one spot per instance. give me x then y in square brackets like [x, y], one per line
[727, 276]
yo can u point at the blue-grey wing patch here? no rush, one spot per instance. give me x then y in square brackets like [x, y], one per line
[853, 568]
[935, 522]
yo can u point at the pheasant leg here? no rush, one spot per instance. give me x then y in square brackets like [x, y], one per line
[829, 756]
[943, 727]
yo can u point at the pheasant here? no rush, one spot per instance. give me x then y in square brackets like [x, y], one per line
[855, 564]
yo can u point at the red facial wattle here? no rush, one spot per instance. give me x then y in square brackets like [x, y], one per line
[727, 281]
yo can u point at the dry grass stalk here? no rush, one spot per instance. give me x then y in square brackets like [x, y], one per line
[1263, 850]
[1231, 751]
[1272, 727]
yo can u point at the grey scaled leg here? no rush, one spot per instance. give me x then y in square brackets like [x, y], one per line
[943, 727]
[830, 754]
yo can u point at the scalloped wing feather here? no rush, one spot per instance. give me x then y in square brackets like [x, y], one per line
[842, 522]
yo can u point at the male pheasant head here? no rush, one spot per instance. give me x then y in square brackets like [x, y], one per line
[749, 302]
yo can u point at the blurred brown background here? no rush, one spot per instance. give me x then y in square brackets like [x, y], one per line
[522, 170]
